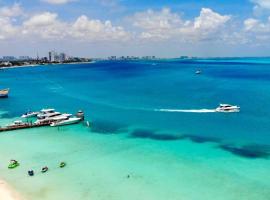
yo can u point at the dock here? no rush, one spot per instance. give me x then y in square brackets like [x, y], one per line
[24, 126]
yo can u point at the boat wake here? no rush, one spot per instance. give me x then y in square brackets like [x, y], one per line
[187, 111]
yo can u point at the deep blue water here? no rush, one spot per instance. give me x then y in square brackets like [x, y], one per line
[117, 96]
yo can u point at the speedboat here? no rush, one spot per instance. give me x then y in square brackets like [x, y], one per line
[30, 114]
[71, 120]
[4, 93]
[227, 108]
[198, 71]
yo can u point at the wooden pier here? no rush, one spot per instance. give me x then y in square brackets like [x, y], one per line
[23, 126]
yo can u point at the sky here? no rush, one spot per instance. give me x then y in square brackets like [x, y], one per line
[163, 28]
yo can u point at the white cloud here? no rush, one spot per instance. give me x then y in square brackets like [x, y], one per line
[150, 25]
[166, 25]
[58, 1]
[43, 19]
[265, 4]
[256, 26]
[209, 20]
[163, 19]
[7, 16]
[250, 23]
[7, 30]
[45, 25]
[157, 24]
[84, 28]
[12, 11]
[258, 30]
[48, 26]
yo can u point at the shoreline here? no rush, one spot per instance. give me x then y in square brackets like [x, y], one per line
[7, 192]
[37, 65]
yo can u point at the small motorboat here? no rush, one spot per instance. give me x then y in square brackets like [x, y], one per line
[62, 164]
[13, 164]
[198, 71]
[4, 93]
[227, 108]
[29, 114]
[17, 123]
[71, 120]
[44, 169]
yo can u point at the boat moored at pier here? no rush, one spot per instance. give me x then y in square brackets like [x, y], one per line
[53, 118]
[29, 114]
[50, 118]
[17, 123]
[71, 120]
[48, 115]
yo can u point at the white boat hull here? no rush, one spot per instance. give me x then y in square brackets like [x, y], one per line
[30, 115]
[69, 121]
[228, 109]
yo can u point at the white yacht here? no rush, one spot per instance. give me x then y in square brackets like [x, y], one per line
[71, 120]
[45, 113]
[54, 118]
[227, 108]
[30, 114]
[47, 110]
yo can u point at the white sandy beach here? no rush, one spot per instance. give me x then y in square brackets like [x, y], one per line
[7, 193]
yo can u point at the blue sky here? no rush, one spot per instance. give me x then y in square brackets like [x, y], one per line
[99, 28]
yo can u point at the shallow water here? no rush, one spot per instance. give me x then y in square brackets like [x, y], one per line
[138, 146]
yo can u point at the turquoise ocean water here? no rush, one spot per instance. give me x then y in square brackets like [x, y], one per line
[154, 134]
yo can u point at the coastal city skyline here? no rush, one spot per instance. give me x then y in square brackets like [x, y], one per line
[54, 56]
[130, 28]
